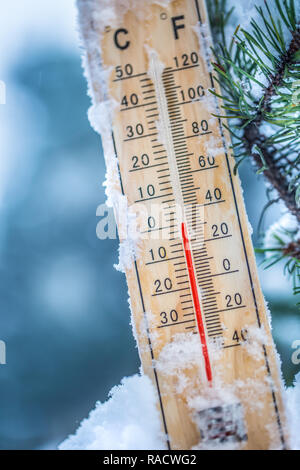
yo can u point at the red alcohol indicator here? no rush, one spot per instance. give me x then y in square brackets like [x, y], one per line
[196, 300]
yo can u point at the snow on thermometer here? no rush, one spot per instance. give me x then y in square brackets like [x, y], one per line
[198, 311]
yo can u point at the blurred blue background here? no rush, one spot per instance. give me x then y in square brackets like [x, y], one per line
[64, 311]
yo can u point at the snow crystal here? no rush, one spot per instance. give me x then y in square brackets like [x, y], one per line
[93, 18]
[129, 420]
[213, 147]
[257, 337]
[284, 228]
[127, 254]
[203, 33]
[129, 235]
[246, 10]
[106, 13]
[183, 353]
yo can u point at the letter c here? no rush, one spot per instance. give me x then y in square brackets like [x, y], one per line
[116, 39]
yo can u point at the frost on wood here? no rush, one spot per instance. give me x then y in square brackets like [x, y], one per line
[184, 354]
[94, 16]
[106, 12]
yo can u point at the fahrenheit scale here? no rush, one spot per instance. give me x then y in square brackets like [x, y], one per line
[198, 310]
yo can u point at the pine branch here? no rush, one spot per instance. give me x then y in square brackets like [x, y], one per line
[276, 81]
[285, 250]
[239, 67]
[292, 249]
[253, 136]
[259, 75]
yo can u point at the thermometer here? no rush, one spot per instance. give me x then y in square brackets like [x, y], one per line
[200, 318]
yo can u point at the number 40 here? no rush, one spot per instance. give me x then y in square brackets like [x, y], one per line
[239, 336]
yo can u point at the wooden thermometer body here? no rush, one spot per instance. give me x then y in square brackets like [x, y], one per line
[198, 311]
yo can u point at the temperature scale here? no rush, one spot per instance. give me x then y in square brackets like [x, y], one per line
[198, 311]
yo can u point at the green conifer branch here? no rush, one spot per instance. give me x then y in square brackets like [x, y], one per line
[259, 74]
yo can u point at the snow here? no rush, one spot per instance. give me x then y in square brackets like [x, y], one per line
[129, 420]
[106, 13]
[244, 12]
[101, 114]
[183, 353]
[203, 32]
[285, 228]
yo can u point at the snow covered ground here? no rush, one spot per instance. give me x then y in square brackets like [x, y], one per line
[129, 419]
